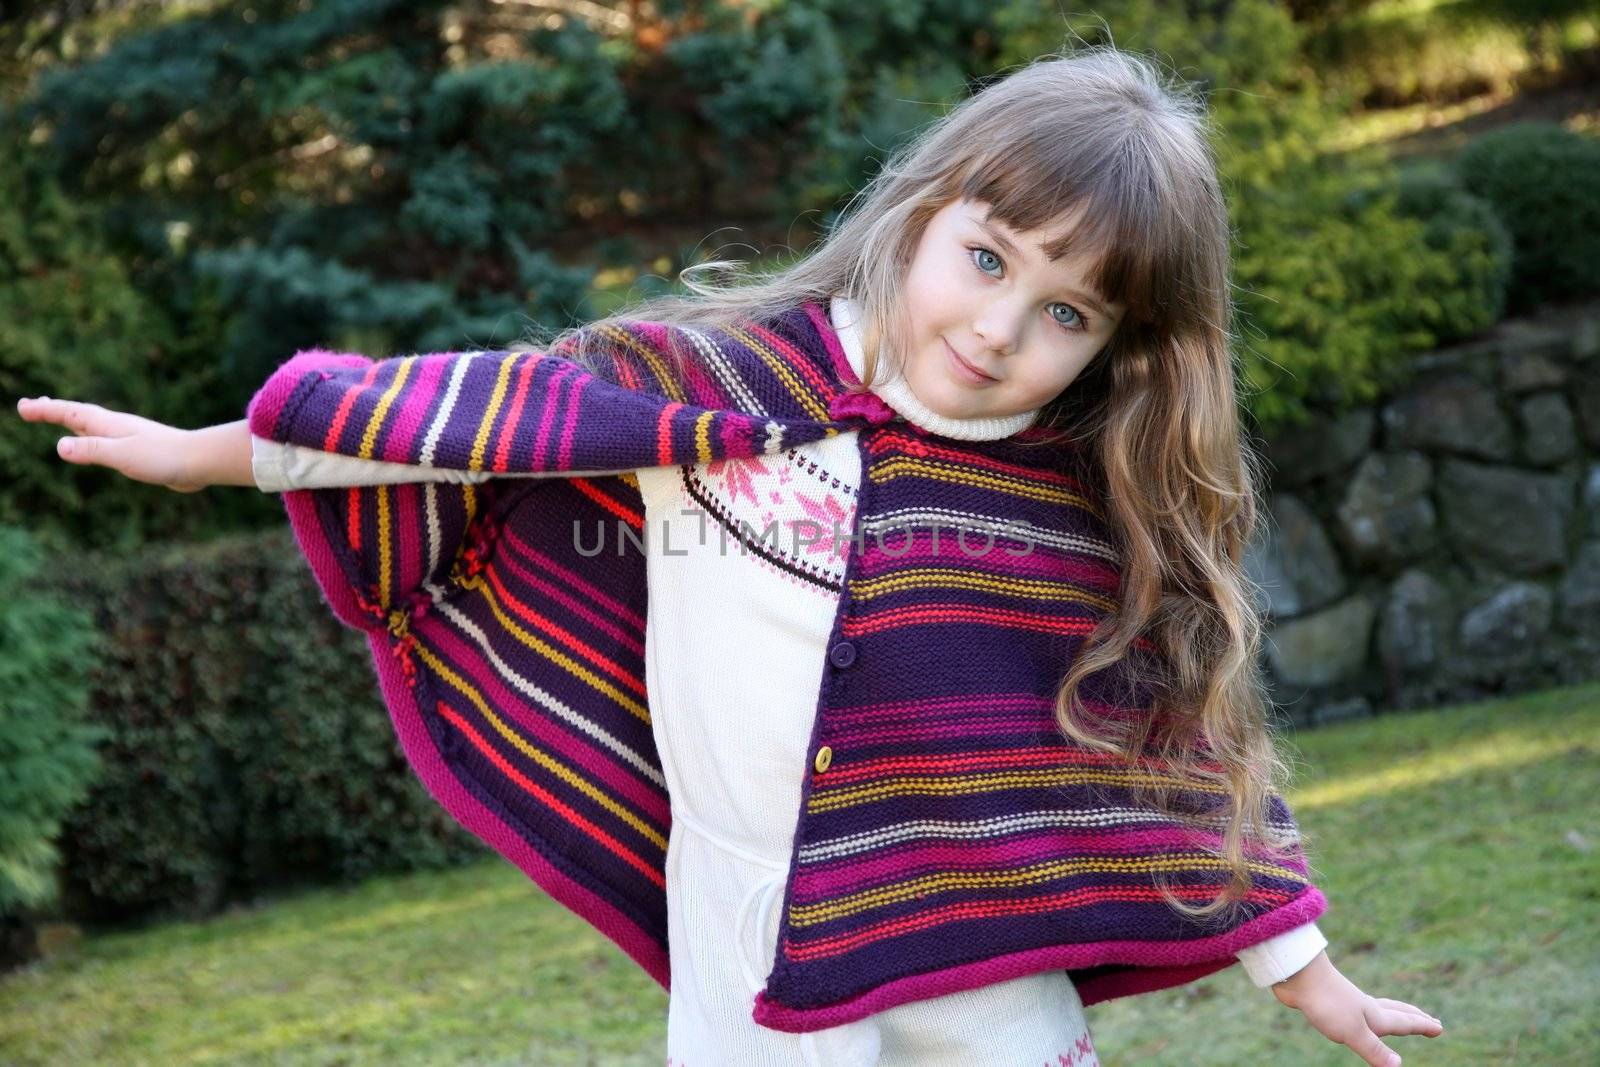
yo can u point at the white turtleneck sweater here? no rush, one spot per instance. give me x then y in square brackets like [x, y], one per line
[743, 624]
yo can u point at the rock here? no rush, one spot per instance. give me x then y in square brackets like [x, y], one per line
[1549, 434]
[1523, 372]
[1294, 564]
[1449, 413]
[1413, 624]
[1328, 443]
[1324, 647]
[1508, 618]
[1579, 592]
[1342, 710]
[1586, 398]
[1508, 517]
[1386, 515]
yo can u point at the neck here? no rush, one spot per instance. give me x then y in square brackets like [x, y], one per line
[844, 313]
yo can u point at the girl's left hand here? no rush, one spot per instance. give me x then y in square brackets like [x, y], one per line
[1347, 1016]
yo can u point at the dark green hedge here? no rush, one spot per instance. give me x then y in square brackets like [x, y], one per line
[248, 746]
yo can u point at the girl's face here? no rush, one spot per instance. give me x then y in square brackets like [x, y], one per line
[982, 292]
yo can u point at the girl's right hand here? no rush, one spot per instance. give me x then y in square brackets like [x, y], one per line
[142, 449]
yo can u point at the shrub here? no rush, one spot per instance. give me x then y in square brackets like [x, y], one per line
[47, 754]
[1544, 183]
[1470, 294]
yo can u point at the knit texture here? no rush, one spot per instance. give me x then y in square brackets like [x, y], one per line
[954, 840]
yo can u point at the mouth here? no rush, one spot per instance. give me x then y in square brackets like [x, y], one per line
[966, 369]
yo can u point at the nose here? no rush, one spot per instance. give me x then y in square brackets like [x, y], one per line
[997, 327]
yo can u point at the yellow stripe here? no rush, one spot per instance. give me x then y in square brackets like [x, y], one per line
[658, 366]
[935, 785]
[539, 756]
[811, 914]
[369, 435]
[385, 553]
[480, 443]
[903, 466]
[947, 578]
[555, 655]
[785, 373]
[702, 437]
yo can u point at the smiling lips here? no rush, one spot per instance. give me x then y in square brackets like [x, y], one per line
[965, 369]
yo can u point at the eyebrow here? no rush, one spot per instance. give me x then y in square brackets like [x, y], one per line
[1005, 242]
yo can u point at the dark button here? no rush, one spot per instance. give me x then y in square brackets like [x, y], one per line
[843, 654]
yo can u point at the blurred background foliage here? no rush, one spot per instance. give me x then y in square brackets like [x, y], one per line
[192, 191]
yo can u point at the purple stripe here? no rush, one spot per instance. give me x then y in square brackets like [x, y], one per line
[1159, 964]
[888, 866]
[1043, 560]
[569, 430]
[411, 414]
[976, 726]
[552, 403]
[636, 624]
[599, 765]
[911, 711]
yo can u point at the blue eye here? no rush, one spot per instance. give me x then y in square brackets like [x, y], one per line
[991, 255]
[978, 252]
[1083, 323]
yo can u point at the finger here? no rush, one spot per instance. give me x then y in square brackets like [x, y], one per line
[78, 416]
[1400, 1005]
[84, 449]
[1375, 1052]
[1389, 1021]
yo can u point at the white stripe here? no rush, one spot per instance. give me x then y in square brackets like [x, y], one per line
[430, 441]
[726, 373]
[544, 699]
[862, 842]
[978, 524]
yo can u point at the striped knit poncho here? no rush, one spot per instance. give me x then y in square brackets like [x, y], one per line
[953, 839]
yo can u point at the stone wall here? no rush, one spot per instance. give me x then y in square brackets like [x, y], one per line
[1442, 543]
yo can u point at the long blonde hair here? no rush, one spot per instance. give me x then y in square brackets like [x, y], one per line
[1100, 129]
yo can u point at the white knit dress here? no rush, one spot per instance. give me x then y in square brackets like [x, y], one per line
[744, 629]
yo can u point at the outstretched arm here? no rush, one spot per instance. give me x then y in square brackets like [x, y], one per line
[184, 461]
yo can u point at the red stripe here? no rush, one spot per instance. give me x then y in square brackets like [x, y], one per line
[610, 503]
[565, 636]
[544, 796]
[664, 457]
[991, 909]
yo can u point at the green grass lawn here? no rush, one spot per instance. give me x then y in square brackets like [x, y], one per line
[1459, 849]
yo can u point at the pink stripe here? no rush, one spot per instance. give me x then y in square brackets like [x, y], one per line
[405, 515]
[569, 430]
[538, 584]
[830, 340]
[903, 710]
[414, 401]
[608, 603]
[977, 726]
[417, 743]
[1159, 965]
[552, 400]
[888, 866]
[1001, 558]
[600, 765]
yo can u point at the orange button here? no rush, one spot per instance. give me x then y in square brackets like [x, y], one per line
[824, 757]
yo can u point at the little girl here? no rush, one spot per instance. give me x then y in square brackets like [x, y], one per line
[997, 754]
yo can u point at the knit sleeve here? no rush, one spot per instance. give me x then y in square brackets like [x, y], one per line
[279, 467]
